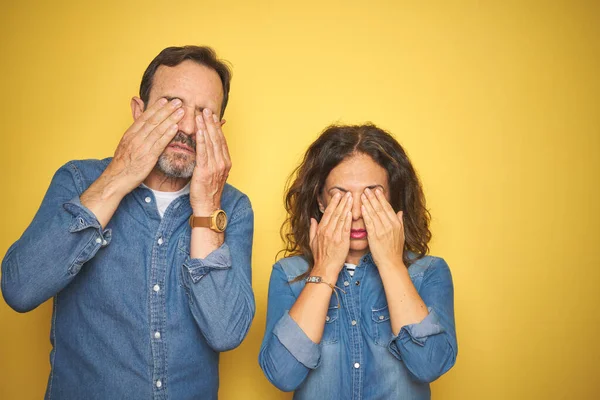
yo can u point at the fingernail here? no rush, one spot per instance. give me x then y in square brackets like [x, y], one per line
[176, 102]
[215, 118]
[207, 112]
[162, 101]
[179, 112]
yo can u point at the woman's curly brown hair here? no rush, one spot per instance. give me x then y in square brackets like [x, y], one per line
[335, 144]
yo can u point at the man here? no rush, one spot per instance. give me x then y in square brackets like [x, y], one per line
[147, 254]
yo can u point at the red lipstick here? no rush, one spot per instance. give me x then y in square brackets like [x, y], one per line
[358, 234]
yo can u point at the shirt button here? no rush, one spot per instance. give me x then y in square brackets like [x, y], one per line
[104, 243]
[98, 240]
[357, 283]
[346, 283]
[160, 241]
[327, 318]
[353, 322]
[148, 200]
[156, 335]
[156, 288]
[381, 317]
[158, 383]
[356, 365]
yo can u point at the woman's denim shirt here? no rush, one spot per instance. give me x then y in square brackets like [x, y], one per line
[359, 357]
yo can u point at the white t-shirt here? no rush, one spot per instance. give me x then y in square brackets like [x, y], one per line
[163, 199]
[350, 268]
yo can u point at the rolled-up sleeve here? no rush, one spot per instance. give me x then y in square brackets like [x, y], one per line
[62, 237]
[287, 355]
[429, 348]
[197, 268]
[219, 286]
[293, 338]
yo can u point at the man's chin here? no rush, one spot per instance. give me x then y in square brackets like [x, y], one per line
[175, 167]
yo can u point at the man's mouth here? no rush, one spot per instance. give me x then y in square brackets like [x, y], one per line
[182, 147]
[183, 143]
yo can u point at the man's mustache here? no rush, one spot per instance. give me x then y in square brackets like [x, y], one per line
[185, 139]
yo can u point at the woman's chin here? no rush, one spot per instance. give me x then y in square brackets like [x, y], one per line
[359, 245]
[356, 252]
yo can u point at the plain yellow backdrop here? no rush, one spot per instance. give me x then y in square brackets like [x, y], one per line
[497, 103]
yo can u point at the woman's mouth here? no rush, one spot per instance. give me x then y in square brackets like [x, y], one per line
[358, 234]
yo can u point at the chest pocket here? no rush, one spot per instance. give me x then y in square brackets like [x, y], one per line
[381, 326]
[331, 333]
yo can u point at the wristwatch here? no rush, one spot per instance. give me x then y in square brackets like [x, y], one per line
[217, 221]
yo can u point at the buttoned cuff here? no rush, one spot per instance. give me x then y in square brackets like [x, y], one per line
[83, 219]
[418, 333]
[293, 338]
[219, 259]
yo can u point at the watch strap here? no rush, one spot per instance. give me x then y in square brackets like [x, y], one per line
[200, 222]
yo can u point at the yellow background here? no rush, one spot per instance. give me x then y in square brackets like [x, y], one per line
[497, 103]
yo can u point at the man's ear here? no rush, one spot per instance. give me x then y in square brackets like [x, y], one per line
[137, 107]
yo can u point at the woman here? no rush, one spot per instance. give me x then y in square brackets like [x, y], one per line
[359, 311]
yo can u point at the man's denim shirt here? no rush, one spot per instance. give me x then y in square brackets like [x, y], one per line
[359, 357]
[134, 316]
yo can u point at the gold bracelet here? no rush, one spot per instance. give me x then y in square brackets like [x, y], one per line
[318, 279]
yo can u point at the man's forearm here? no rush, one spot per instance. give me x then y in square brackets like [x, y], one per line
[204, 241]
[103, 196]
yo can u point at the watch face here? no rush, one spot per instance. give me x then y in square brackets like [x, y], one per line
[221, 221]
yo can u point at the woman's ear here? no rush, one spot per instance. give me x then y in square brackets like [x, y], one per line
[321, 206]
[137, 107]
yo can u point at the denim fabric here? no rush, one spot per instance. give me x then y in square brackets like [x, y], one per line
[131, 308]
[359, 357]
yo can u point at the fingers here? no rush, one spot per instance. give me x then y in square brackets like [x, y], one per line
[216, 146]
[201, 145]
[313, 229]
[139, 122]
[369, 210]
[335, 201]
[163, 139]
[222, 141]
[204, 146]
[369, 224]
[382, 206]
[153, 119]
[213, 135]
[161, 135]
[400, 215]
[347, 225]
[341, 220]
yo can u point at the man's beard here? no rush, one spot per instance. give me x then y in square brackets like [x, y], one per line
[177, 165]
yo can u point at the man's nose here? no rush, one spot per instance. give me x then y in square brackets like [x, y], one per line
[187, 124]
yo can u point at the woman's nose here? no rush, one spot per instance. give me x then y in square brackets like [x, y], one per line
[356, 203]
